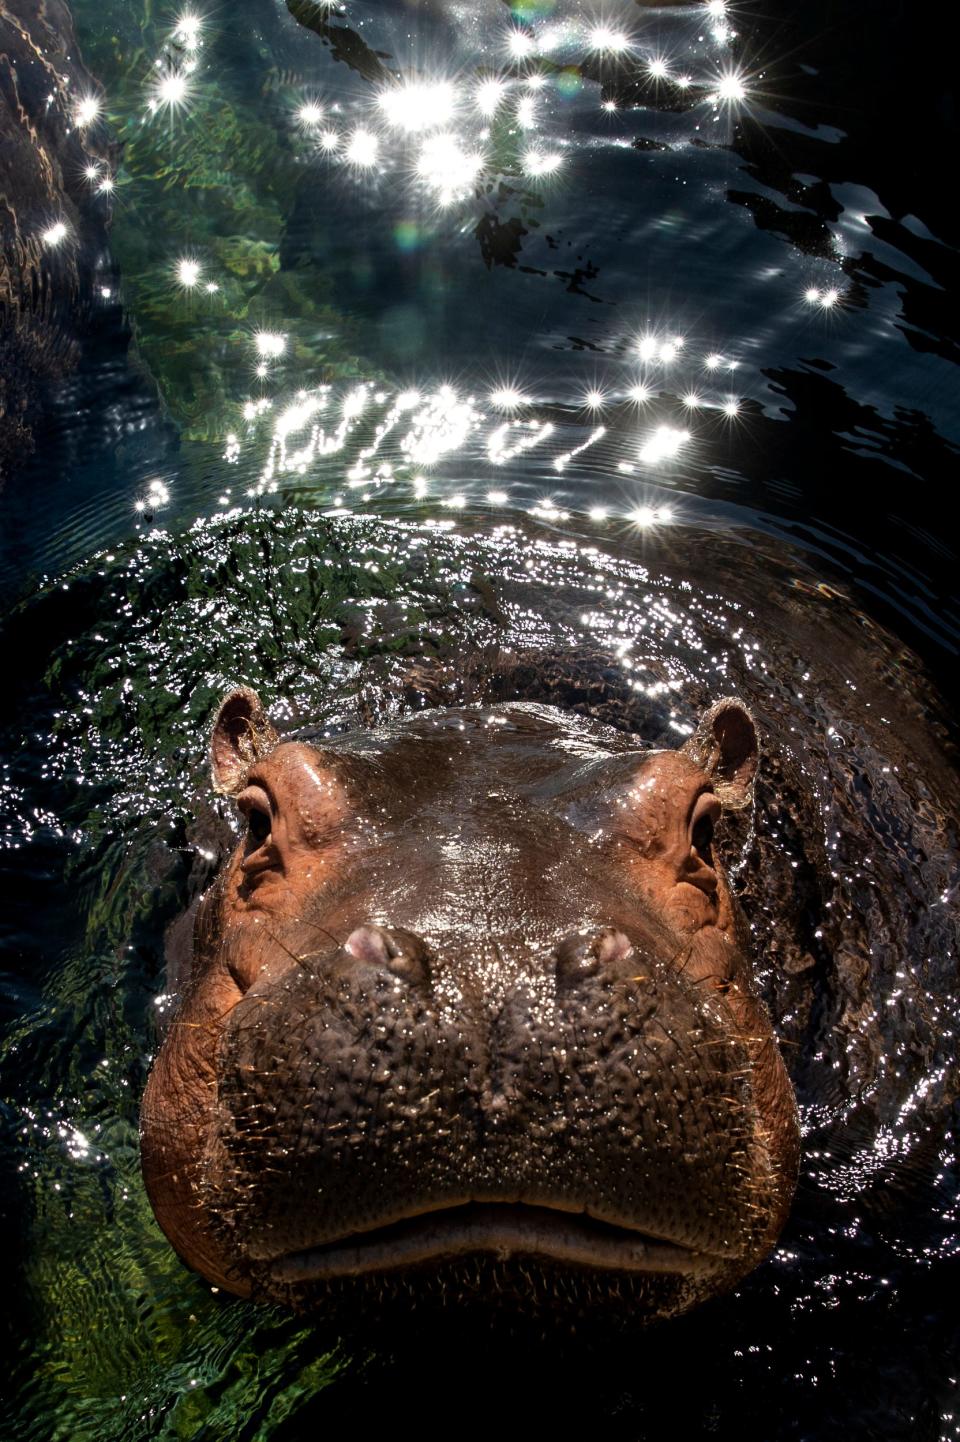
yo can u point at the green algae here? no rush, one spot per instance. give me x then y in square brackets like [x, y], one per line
[215, 182]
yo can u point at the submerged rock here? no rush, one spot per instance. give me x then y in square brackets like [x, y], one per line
[54, 214]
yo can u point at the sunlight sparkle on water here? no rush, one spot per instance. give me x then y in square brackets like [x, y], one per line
[441, 425]
[536, 162]
[663, 444]
[55, 234]
[514, 437]
[188, 30]
[188, 272]
[446, 168]
[309, 114]
[87, 110]
[270, 343]
[607, 40]
[489, 96]
[170, 92]
[561, 462]
[652, 348]
[644, 516]
[731, 87]
[555, 35]
[826, 299]
[519, 43]
[414, 107]
[157, 496]
[363, 148]
[507, 399]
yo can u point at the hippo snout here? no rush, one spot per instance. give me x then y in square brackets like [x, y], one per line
[565, 1112]
[474, 1037]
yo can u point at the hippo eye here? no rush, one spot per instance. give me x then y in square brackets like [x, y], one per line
[705, 815]
[254, 803]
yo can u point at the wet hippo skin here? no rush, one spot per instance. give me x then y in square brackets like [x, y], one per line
[470, 1009]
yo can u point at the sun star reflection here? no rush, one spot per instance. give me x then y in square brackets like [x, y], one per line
[55, 234]
[489, 95]
[363, 148]
[607, 41]
[309, 114]
[506, 398]
[189, 29]
[270, 344]
[413, 107]
[538, 162]
[731, 87]
[170, 92]
[188, 272]
[520, 44]
[446, 168]
[88, 108]
[663, 444]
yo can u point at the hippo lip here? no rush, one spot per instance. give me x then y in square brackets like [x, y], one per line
[499, 1229]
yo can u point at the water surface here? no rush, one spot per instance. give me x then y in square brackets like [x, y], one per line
[645, 316]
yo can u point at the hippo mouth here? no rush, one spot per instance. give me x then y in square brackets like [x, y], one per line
[500, 1230]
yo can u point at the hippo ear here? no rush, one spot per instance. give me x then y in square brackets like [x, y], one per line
[725, 746]
[241, 735]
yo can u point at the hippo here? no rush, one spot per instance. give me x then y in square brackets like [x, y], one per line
[469, 1014]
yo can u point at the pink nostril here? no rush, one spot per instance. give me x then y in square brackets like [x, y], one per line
[369, 943]
[612, 946]
[400, 952]
[582, 954]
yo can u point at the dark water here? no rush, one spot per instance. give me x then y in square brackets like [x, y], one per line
[700, 355]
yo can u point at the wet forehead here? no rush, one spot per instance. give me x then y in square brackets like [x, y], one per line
[469, 749]
[470, 758]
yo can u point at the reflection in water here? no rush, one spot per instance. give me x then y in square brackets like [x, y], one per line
[619, 275]
[390, 437]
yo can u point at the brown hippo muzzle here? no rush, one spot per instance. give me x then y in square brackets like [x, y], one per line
[470, 1010]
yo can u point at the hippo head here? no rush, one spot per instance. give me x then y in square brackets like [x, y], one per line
[469, 1014]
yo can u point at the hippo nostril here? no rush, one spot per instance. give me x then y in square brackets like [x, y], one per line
[582, 953]
[612, 945]
[370, 943]
[399, 951]
[576, 957]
